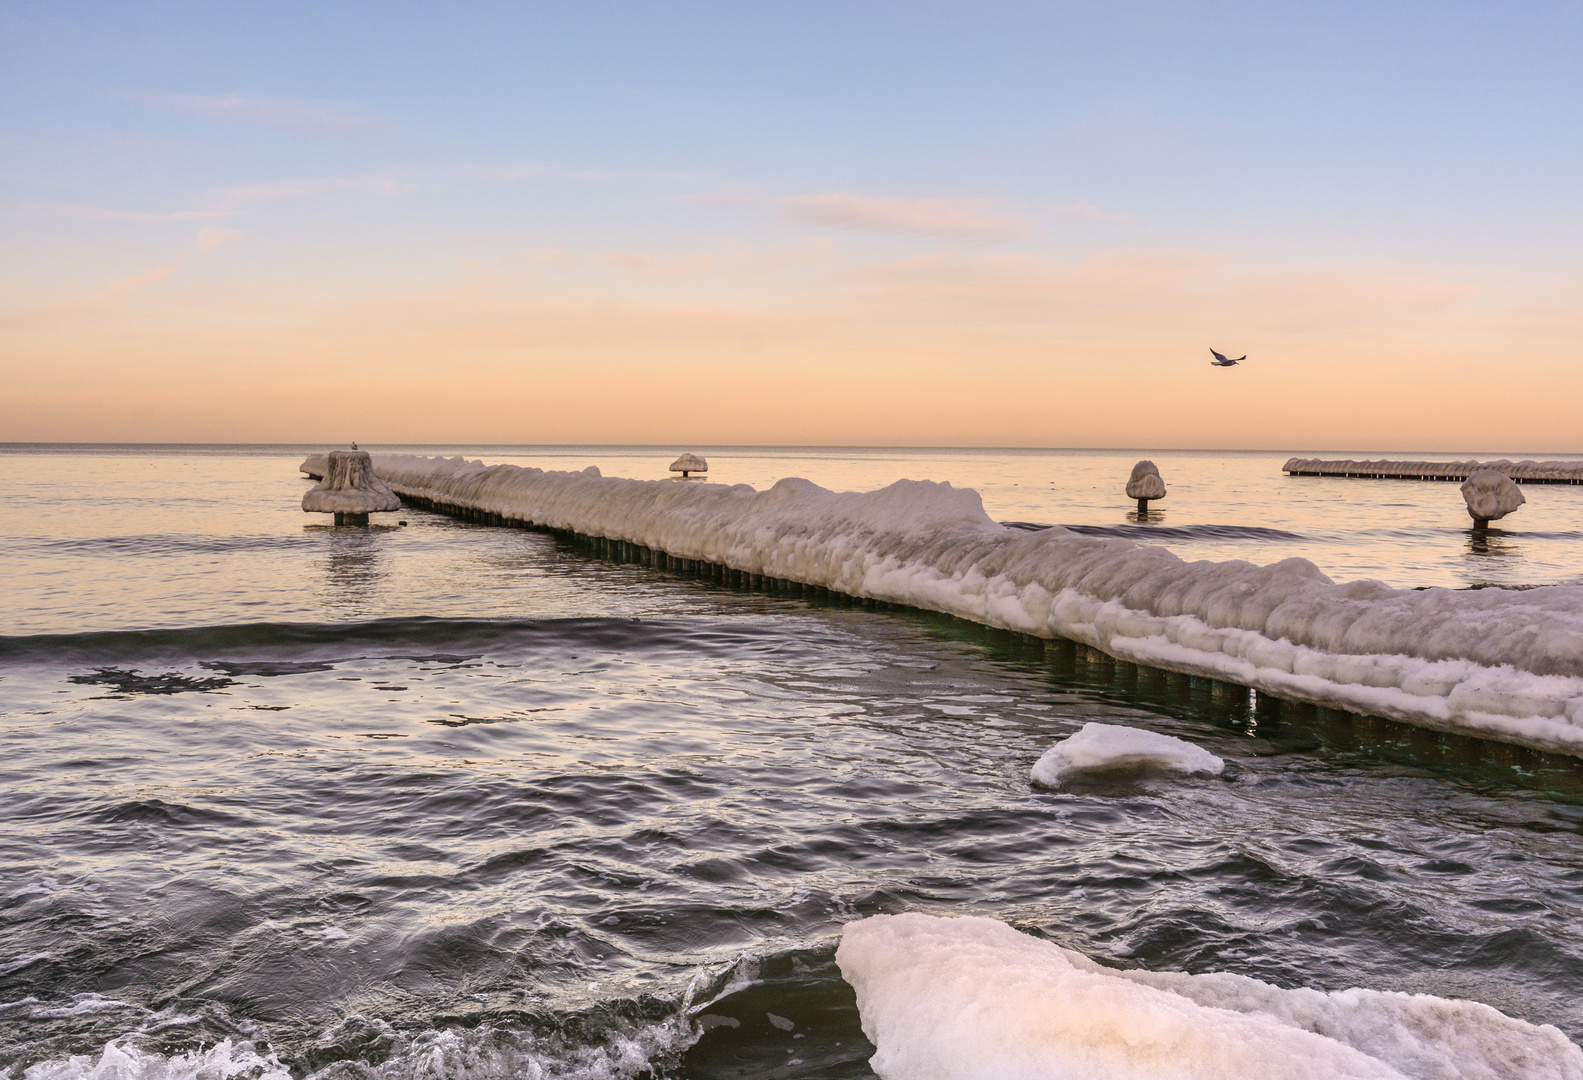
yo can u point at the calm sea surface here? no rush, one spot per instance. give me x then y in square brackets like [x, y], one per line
[447, 801]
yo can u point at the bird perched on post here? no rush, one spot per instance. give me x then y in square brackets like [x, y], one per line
[1221, 361]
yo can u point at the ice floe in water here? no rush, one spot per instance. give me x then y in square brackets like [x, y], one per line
[1113, 748]
[972, 998]
[1492, 663]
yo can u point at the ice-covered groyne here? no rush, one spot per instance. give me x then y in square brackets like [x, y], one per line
[1490, 663]
[1524, 472]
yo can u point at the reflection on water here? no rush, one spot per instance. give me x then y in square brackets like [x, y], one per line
[353, 567]
[1492, 542]
[1146, 517]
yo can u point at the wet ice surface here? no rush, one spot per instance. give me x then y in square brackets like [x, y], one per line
[511, 837]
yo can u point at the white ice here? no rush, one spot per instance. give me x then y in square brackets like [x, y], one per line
[1145, 482]
[1113, 748]
[1491, 663]
[350, 486]
[1491, 495]
[973, 999]
[689, 463]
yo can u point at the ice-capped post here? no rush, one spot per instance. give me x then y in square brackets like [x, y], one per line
[350, 490]
[689, 463]
[1490, 495]
[1145, 484]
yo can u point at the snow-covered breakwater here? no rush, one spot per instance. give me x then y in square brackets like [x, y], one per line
[1524, 472]
[1490, 663]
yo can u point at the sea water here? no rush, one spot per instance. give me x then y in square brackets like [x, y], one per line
[445, 800]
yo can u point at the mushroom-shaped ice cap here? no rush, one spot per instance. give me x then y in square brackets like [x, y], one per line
[689, 463]
[1491, 495]
[350, 487]
[1145, 482]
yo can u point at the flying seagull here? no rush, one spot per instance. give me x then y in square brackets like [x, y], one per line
[1221, 361]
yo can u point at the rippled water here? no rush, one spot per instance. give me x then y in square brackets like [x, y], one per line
[446, 800]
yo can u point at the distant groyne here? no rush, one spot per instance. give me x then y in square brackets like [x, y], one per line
[1524, 472]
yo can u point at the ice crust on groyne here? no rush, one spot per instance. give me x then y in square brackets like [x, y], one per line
[350, 485]
[974, 999]
[1554, 472]
[1491, 495]
[1491, 663]
[1145, 482]
[1113, 748]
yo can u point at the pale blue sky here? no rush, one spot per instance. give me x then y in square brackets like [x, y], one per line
[192, 158]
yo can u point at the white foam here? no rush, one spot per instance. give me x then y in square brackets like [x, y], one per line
[482, 1053]
[84, 1004]
[122, 1061]
[1491, 663]
[1113, 748]
[972, 998]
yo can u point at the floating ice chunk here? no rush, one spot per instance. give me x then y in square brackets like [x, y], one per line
[1113, 748]
[689, 463]
[350, 487]
[1145, 482]
[1491, 495]
[972, 998]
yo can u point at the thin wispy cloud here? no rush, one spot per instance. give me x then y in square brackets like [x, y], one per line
[234, 198]
[212, 236]
[964, 219]
[233, 201]
[118, 289]
[627, 260]
[286, 113]
[1087, 212]
[717, 198]
[95, 213]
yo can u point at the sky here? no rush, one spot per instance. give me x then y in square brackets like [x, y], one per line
[923, 224]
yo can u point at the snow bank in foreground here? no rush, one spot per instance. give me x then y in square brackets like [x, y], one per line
[1491, 663]
[1113, 748]
[972, 998]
